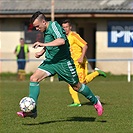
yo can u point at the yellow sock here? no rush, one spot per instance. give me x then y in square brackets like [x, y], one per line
[74, 95]
[91, 76]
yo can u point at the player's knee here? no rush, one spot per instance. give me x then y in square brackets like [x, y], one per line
[76, 87]
[33, 79]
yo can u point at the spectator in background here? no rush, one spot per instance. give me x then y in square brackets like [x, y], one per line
[22, 55]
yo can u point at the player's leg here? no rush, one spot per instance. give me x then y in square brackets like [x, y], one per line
[42, 72]
[101, 73]
[34, 87]
[85, 91]
[74, 95]
[82, 71]
[34, 91]
[89, 77]
[70, 69]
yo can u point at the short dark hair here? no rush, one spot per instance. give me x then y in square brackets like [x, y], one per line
[21, 38]
[67, 21]
[36, 15]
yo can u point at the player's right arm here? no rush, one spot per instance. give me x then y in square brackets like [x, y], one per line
[84, 50]
[56, 42]
[81, 43]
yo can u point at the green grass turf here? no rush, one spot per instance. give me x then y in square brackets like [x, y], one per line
[55, 117]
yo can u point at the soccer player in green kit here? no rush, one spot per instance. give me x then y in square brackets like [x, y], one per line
[58, 61]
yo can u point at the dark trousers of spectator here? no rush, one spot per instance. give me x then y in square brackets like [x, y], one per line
[21, 64]
[21, 70]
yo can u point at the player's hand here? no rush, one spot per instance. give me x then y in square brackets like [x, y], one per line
[80, 60]
[37, 44]
[38, 54]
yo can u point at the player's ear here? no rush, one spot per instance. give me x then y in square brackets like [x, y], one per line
[44, 22]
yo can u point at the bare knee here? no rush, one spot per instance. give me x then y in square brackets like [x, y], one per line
[33, 79]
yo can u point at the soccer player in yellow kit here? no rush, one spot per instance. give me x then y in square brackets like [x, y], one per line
[78, 48]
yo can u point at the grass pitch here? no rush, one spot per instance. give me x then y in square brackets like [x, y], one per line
[55, 117]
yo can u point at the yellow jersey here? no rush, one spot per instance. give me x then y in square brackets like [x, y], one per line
[76, 45]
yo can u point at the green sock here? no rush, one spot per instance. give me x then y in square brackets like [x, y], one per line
[85, 90]
[34, 90]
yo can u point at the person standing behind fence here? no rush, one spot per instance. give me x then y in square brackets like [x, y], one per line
[22, 56]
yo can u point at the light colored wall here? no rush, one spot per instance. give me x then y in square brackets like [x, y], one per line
[102, 49]
[10, 32]
[12, 29]
[104, 52]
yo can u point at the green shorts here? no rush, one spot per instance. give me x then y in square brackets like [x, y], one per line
[65, 69]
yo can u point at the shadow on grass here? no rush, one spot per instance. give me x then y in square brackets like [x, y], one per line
[69, 119]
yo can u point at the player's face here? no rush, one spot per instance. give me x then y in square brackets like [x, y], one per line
[66, 27]
[40, 25]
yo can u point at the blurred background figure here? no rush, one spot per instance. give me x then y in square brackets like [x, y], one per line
[22, 56]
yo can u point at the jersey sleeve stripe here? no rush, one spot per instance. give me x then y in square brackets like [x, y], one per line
[56, 31]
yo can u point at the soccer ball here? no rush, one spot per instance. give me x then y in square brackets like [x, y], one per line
[27, 104]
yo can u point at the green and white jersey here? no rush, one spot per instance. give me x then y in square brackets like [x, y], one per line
[56, 53]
